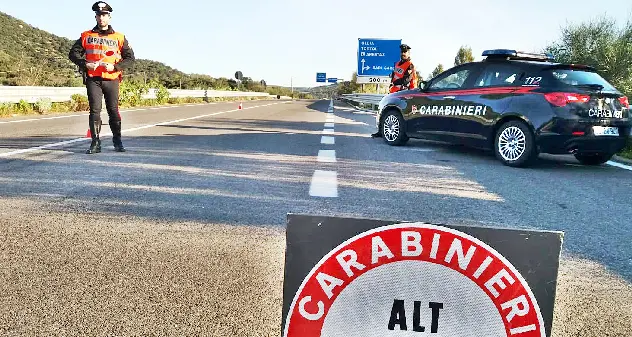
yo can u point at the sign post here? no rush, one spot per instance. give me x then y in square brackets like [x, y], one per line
[376, 60]
[369, 278]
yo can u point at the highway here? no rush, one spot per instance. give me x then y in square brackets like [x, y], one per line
[164, 235]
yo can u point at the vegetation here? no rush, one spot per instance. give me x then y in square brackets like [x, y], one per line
[601, 44]
[31, 56]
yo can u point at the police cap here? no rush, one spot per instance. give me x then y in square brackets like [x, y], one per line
[100, 7]
[404, 47]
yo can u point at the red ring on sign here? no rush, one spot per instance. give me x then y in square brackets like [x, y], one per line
[529, 325]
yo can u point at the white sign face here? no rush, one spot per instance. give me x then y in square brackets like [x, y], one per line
[411, 280]
[373, 80]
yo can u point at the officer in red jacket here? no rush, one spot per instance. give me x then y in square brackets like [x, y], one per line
[101, 55]
[404, 77]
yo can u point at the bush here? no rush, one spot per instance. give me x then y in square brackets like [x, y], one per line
[79, 103]
[43, 105]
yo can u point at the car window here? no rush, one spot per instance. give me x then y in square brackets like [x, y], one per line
[452, 81]
[498, 75]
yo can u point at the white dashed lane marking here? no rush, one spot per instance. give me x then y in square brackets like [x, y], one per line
[324, 184]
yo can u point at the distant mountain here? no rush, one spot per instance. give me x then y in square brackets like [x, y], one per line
[31, 56]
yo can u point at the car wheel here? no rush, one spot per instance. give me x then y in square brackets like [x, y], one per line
[593, 158]
[393, 129]
[514, 144]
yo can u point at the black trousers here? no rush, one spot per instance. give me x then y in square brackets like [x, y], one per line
[99, 88]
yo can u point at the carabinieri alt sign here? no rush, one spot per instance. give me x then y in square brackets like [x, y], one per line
[361, 277]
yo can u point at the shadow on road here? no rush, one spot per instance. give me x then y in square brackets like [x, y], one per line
[255, 171]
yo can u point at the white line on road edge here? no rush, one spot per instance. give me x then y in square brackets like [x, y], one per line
[324, 184]
[103, 135]
[328, 132]
[327, 140]
[329, 120]
[327, 156]
[329, 125]
[619, 165]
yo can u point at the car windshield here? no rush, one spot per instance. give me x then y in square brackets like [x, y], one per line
[575, 77]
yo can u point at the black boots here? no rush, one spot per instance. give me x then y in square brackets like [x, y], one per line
[116, 136]
[95, 129]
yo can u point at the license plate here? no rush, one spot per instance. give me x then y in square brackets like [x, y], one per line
[605, 131]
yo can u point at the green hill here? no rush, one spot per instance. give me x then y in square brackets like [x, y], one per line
[31, 56]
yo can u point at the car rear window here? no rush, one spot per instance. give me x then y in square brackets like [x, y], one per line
[574, 77]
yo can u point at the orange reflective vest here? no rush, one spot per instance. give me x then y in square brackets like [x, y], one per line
[400, 72]
[103, 49]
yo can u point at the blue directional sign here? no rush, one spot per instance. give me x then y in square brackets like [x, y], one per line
[377, 57]
[321, 77]
[332, 80]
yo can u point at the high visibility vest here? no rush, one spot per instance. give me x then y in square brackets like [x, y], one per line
[400, 72]
[103, 49]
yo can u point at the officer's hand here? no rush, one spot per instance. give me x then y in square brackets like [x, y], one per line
[91, 65]
[109, 67]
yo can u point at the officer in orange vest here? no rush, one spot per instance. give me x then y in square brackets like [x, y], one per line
[404, 77]
[101, 55]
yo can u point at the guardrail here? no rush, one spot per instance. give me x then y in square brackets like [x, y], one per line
[369, 101]
[31, 94]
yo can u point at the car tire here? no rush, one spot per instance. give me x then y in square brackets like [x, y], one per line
[514, 144]
[392, 129]
[593, 158]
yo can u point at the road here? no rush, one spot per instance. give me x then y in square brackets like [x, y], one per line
[201, 198]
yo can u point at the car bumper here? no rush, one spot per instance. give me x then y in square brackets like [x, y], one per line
[571, 136]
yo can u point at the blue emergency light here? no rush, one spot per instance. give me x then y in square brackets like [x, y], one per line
[517, 55]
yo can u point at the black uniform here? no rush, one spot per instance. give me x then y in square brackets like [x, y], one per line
[98, 88]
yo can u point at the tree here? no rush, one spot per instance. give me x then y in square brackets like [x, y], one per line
[438, 70]
[598, 43]
[464, 55]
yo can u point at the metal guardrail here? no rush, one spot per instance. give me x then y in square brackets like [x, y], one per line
[373, 99]
[31, 94]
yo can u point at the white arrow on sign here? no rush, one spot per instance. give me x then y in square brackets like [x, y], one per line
[363, 67]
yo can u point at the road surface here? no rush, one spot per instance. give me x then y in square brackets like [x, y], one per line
[187, 225]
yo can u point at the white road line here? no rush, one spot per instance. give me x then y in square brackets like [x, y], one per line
[41, 119]
[327, 140]
[327, 156]
[103, 135]
[619, 165]
[328, 132]
[324, 184]
[329, 125]
[330, 110]
[329, 120]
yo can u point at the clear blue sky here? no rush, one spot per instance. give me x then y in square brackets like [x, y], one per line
[277, 40]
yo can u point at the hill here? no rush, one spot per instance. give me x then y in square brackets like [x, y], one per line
[32, 56]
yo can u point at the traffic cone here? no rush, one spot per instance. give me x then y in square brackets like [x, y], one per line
[240, 107]
[88, 134]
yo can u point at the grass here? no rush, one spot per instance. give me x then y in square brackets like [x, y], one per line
[627, 151]
[79, 103]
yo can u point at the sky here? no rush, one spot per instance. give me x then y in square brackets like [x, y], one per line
[287, 42]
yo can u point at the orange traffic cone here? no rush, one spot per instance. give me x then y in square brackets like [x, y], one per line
[88, 134]
[240, 106]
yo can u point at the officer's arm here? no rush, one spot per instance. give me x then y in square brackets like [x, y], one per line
[127, 53]
[77, 54]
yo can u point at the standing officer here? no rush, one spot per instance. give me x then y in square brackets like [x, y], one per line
[404, 77]
[101, 54]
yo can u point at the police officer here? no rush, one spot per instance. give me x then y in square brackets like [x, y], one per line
[404, 77]
[101, 55]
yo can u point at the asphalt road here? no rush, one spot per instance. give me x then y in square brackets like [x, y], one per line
[192, 172]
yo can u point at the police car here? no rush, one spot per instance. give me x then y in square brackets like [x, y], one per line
[516, 104]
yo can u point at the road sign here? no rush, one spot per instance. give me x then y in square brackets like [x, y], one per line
[362, 277]
[373, 79]
[332, 80]
[321, 77]
[377, 57]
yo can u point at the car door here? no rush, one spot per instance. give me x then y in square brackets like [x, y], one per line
[432, 119]
[488, 97]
